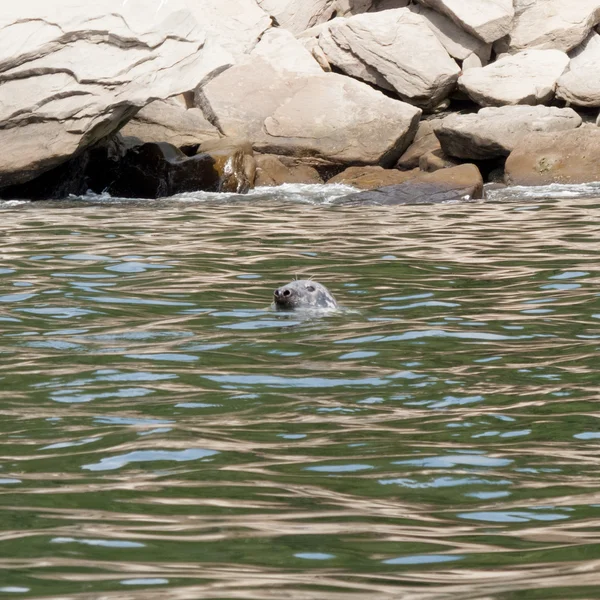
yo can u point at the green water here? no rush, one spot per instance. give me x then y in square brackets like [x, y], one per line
[165, 436]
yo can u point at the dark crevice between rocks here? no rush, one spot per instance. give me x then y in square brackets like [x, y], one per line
[151, 170]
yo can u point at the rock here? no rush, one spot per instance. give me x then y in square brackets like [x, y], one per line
[551, 24]
[298, 16]
[473, 61]
[425, 141]
[458, 43]
[305, 112]
[74, 72]
[159, 170]
[312, 45]
[434, 160]
[447, 185]
[347, 8]
[234, 162]
[234, 25]
[580, 83]
[494, 132]
[347, 61]
[488, 20]
[393, 49]
[565, 157]
[272, 170]
[528, 77]
[371, 177]
[168, 121]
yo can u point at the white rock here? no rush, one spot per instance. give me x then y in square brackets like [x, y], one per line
[458, 43]
[318, 114]
[489, 20]
[235, 25]
[393, 48]
[494, 132]
[298, 15]
[556, 24]
[580, 83]
[75, 71]
[169, 121]
[528, 77]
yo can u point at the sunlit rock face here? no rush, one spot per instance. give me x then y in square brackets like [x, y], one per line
[75, 71]
[279, 98]
[395, 50]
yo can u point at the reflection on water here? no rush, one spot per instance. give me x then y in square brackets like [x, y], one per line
[166, 435]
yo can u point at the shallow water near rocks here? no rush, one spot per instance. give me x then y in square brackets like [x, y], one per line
[165, 435]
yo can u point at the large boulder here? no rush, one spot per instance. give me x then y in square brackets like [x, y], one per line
[580, 83]
[554, 24]
[488, 20]
[73, 72]
[394, 49]
[232, 25]
[458, 43]
[494, 132]
[447, 185]
[565, 157]
[169, 121]
[279, 98]
[298, 16]
[528, 77]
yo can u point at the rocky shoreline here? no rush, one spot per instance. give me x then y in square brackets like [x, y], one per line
[402, 99]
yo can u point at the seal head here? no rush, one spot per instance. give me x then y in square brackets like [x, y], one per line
[303, 294]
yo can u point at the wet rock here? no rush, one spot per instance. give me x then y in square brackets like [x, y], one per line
[488, 21]
[560, 157]
[279, 98]
[371, 177]
[580, 83]
[394, 49]
[494, 132]
[528, 77]
[458, 43]
[551, 24]
[447, 185]
[75, 72]
[272, 170]
[425, 141]
[159, 170]
[234, 162]
[169, 121]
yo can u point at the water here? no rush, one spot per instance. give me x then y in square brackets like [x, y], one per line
[164, 435]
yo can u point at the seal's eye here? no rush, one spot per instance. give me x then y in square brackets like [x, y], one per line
[310, 288]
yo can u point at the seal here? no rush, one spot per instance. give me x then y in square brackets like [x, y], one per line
[303, 294]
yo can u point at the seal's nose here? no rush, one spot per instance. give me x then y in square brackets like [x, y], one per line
[282, 293]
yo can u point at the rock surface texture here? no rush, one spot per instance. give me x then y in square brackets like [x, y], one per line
[396, 50]
[565, 157]
[554, 24]
[494, 132]
[488, 20]
[292, 107]
[580, 83]
[528, 77]
[169, 121]
[73, 72]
